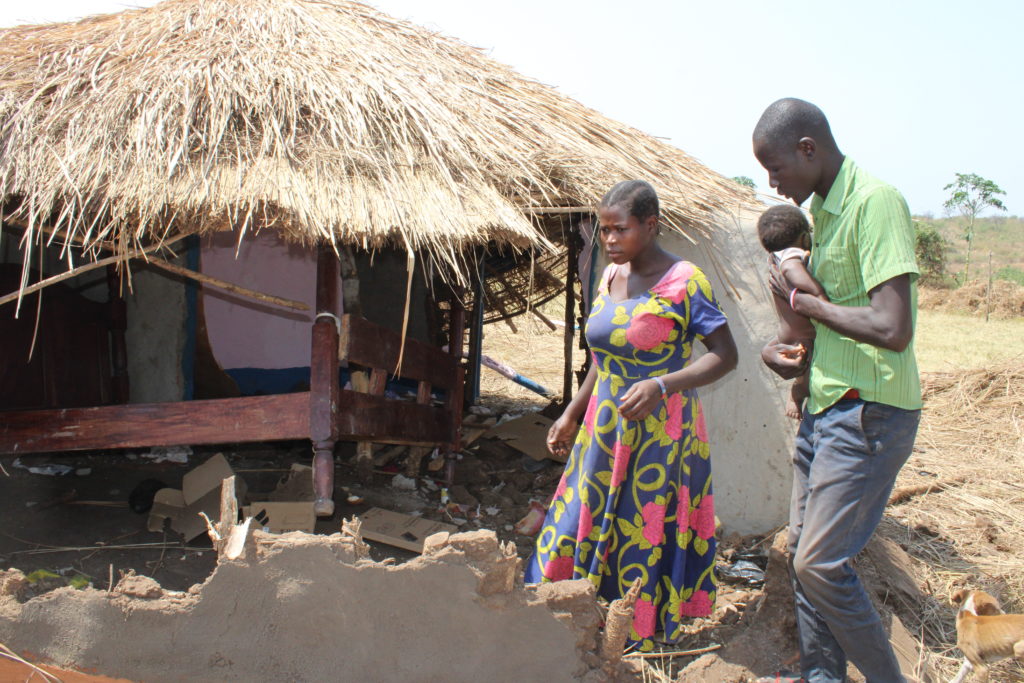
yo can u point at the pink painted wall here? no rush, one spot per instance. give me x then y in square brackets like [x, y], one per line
[250, 334]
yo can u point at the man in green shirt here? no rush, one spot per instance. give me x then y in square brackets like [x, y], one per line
[861, 418]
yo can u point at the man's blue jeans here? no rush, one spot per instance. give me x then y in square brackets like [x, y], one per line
[846, 462]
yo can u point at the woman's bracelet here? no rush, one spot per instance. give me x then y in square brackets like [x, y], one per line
[661, 383]
[792, 298]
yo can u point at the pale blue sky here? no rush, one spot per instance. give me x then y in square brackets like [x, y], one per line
[915, 91]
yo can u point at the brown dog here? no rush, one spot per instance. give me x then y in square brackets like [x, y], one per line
[984, 633]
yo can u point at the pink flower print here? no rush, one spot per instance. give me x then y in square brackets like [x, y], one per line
[683, 508]
[644, 615]
[647, 330]
[562, 483]
[673, 286]
[699, 427]
[702, 520]
[586, 523]
[699, 605]
[621, 452]
[674, 421]
[559, 568]
[654, 522]
[588, 419]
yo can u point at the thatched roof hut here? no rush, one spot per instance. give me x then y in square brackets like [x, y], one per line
[325, 119]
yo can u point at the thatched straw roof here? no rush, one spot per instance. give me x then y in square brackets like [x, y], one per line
[324, 118]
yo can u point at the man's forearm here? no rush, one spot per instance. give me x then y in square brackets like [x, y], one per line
[885, 323]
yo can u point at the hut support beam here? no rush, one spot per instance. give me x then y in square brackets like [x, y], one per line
[570, 304]
[456, 339]
[323, 382]
[360, 378]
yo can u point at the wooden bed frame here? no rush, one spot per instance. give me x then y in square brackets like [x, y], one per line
[325, 414]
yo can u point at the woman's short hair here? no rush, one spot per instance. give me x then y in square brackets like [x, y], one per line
[781, 226]
[636, 196]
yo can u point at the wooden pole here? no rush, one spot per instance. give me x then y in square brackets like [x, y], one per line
[456, 341]
[476, 331]
[572, 257]
[75, 272]
[227, 286]
[988, 294]
[324, 392]
[360, 378]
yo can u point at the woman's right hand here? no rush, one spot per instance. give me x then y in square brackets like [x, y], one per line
[785, 360]
[561, 436]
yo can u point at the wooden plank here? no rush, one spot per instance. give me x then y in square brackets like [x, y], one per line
[374, 346]
[374, 418]
[378, 380]
[226, 420]
[423, 393]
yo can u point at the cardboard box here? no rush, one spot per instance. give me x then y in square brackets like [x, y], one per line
[200, 492]
[527, 434]
[401, 531]
[279, 517]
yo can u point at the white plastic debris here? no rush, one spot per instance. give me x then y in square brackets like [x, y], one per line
[49, 469]
[403, 483]
[175, 454]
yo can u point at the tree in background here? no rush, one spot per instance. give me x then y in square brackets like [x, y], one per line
[930, 248]
[971, 194]
[744, 181]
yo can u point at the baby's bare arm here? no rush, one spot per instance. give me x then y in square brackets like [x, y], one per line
[797, 275]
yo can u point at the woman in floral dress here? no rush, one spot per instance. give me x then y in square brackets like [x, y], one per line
[635, 500]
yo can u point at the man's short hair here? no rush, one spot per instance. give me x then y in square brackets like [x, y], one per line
[637, 197]
[788, 120]
[781, 226]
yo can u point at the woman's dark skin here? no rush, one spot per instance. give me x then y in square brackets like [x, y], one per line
[632, 244]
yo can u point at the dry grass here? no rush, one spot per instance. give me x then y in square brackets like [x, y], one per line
[972, 434]
[323, 118]
[950, 341]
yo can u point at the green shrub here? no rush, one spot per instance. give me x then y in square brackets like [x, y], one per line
[931, 254]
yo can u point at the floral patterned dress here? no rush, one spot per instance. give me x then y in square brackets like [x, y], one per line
[635, 500]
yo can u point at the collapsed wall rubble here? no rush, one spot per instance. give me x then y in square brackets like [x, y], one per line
[304, 607]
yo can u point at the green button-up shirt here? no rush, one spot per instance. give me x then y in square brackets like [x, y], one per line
[863, 236]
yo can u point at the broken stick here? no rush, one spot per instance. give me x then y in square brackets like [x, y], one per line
[617, 626]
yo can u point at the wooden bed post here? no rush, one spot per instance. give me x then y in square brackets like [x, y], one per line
[323, 381]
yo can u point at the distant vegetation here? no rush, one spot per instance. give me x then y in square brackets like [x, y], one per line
[1002, 236]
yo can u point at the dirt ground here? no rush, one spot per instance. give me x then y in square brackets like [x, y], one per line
[958, 522]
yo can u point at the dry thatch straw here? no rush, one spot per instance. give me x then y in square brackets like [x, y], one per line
[323, 118]
[968, 534]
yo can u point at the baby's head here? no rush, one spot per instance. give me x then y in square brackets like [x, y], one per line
[783, 225]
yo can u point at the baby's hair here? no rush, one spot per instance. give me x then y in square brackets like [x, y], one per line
[781, 226]
[636, 196]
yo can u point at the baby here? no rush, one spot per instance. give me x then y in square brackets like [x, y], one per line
[785, 233]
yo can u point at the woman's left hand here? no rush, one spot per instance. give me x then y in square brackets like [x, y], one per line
[640, 400]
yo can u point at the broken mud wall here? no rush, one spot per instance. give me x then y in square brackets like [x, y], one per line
[751, 438]
[300, 607]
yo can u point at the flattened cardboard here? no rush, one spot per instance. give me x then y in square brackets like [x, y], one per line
[200, 492]
[401, 531]
[297, 486]
[527, 434]
[278, 517]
